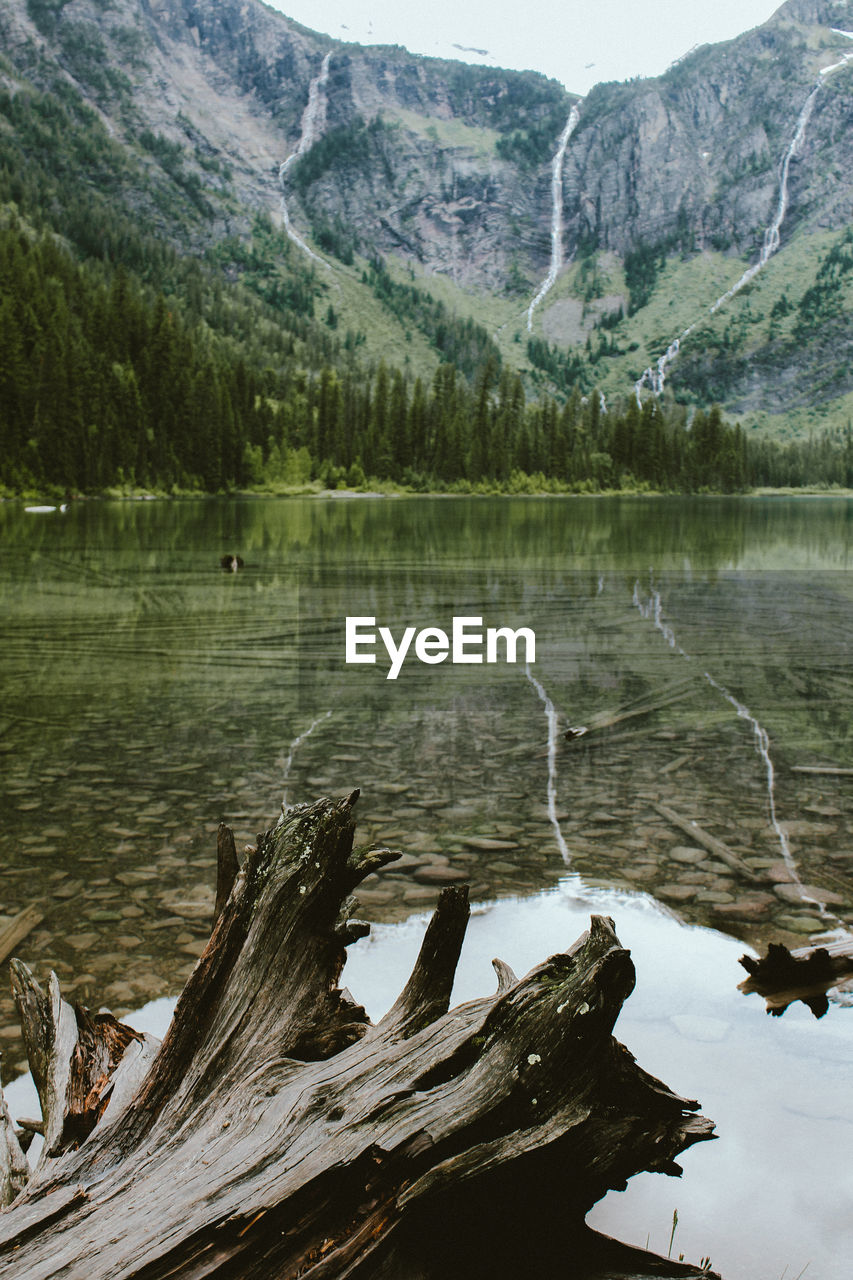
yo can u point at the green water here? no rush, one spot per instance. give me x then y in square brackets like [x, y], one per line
[147, 694]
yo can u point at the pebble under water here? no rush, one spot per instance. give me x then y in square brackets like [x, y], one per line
[146, 695]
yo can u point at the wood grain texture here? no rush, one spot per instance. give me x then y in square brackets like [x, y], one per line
[278, 1132]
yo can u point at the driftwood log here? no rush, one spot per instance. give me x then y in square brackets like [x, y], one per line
[806, 974]
[277, 1132]
[18, 928]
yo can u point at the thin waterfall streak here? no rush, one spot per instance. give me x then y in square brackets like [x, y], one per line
[310, 123]
[310, 126]
[653, 611]
[845, 57]
[655, 377]
[771, 235]
[551, 713]
[294, 747]
[762, 746]
[556, 214]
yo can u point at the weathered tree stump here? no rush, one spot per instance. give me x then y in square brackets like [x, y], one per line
[277, 1132]
[807, 974]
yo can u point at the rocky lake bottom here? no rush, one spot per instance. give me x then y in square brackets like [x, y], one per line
[679, 752]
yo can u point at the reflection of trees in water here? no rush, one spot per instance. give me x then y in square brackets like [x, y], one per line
[710, 533]
[129, 653]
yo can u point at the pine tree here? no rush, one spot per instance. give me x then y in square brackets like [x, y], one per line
[398, 426]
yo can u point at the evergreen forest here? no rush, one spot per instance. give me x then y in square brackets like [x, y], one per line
[130, 359]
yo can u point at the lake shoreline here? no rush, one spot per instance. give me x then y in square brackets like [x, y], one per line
[146, 495]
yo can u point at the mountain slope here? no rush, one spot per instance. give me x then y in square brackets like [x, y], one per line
[186, 111]
[694, 168]
[694, 156]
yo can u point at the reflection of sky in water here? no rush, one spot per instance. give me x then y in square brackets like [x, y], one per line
[775, 1189]
[145, 693]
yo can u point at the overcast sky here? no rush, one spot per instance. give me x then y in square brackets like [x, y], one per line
[576, 41]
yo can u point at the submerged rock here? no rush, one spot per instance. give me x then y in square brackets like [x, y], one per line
[439, 875]
[488, 844]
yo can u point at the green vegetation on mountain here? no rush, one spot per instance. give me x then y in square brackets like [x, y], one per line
[526, 109]
[105, 381]
[160, 329]
[347, 149]
[642, 265]
[565, 369]
[775, 352]
[461, 342]
[824, 300]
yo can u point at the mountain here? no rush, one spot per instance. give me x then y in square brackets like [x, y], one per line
[419, 197]
[681, 177]
[695, 155]
[406, 160]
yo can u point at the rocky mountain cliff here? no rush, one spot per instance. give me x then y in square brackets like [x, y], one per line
[694, 156]
[229, 80]
[445, 171]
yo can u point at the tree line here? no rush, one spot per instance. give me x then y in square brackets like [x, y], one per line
[105, 381]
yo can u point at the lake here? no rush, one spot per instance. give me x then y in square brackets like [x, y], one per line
[697, 651]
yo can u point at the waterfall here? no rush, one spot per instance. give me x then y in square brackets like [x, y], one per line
[294, 747]
[311, 124]
[655, 377]
[771, 235]
[762, 746]
[551, 713]
[556, 214]
[653, 610]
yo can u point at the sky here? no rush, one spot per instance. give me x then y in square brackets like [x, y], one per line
[578, 42]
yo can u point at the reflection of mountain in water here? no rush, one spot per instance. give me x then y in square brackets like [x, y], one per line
[146, 694]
